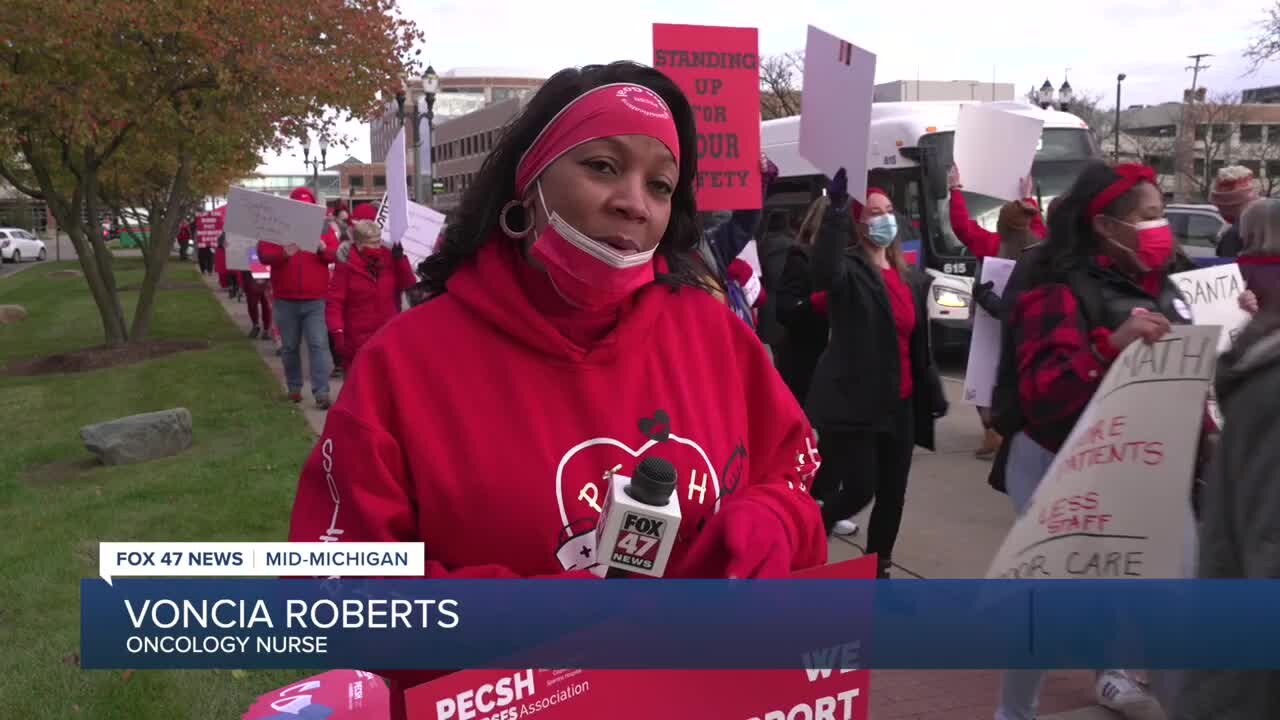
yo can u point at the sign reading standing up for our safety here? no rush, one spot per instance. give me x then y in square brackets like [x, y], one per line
[718, 69]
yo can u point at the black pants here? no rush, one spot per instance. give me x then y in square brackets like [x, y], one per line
[858, 466]
[204, 256]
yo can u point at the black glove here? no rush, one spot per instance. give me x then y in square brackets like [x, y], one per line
[986, 297]
[838, 187]
[397, 252]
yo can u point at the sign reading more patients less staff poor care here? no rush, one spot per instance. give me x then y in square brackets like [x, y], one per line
[718, 69]
[1113, 501]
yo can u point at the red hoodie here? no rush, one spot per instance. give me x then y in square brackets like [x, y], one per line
[980, 241]
[485, 427]
[360, 303]
[305, 275]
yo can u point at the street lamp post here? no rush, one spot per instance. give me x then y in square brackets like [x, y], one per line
[430, 86]
[314, 163]
[1065, 96]
[1046, 95]
[1119, 79]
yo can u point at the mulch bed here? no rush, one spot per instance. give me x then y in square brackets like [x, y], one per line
[100, 357]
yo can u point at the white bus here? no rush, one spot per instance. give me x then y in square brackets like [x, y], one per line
[910, 151]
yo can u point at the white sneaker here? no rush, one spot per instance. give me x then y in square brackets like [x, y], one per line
[846, 527]
[1118, 691]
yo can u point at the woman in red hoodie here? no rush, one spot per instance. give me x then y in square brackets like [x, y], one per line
[567, 337]
[364, 293]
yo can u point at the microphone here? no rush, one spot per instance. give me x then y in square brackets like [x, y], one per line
[639, 520]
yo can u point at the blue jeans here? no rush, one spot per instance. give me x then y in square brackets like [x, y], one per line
[298, 319]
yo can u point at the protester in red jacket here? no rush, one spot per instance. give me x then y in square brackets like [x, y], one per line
[980, 241]
[568, 337]
[365, 291]
[299, 282]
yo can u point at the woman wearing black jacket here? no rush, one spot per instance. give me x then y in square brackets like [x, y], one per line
[875, 393]
[802, 311]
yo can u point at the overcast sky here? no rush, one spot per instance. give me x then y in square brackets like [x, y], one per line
[1019, 42]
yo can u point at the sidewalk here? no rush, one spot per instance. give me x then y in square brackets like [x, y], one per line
[895, 694]
[239, 313]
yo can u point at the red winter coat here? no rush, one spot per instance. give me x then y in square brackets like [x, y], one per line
[220, 266]
[359, 303]
[305, 276]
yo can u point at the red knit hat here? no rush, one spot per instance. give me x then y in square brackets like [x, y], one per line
[1232, 186]
[856, 207]
[367, 211]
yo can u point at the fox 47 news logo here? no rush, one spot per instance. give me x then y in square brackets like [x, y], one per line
[638, 541]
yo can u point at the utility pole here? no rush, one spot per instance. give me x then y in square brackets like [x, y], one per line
[1195, 70]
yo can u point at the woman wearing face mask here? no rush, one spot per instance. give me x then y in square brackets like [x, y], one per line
[364, 293]
[567, 337]
[875, 392]
[1100, 282]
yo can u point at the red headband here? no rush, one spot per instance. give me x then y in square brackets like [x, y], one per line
[1130, 174]
[606, 111]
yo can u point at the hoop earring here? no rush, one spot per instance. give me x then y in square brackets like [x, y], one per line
[506, 229]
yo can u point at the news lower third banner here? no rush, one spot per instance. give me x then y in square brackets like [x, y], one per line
[677, 624]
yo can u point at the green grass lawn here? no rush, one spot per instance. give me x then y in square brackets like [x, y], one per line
[235, 483]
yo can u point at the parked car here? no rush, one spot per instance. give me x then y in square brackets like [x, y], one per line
[1198, 228]
[17, 245]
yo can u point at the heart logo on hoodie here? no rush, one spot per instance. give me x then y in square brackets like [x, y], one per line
[656, 428]
[582, 481]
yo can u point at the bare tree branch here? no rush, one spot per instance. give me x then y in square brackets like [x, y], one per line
[1265, 45]
[780, 79]
[12, 178]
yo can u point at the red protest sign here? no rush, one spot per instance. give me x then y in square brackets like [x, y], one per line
[830, 690]
[717, 67]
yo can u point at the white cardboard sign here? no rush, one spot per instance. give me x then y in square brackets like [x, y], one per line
[1214, 295]
[239, 250]
[835, 122]
[994, 150]
[1114, 501]
[397, 199]
[419, 238]
[273, 219]
[984, 341]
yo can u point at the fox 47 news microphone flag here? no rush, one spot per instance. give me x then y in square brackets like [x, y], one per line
[639, 521]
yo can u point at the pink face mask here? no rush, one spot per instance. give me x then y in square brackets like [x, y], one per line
[587, 274]
[1155, 243]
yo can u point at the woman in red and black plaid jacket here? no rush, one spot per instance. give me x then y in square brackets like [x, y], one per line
[1100, 282]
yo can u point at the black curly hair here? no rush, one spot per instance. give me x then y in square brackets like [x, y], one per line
[1071, 238]
[494, 185]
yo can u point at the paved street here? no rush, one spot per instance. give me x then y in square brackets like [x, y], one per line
[7, 269]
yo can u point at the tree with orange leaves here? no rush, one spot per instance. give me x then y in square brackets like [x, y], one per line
[121, 103]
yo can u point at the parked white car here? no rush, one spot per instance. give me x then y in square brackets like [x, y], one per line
[17, 245]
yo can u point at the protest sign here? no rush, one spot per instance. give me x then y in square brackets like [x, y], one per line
[209, 227]
[273, 219]
[419, 237]
[717, 68]
[1214, 296]
[335, 695]
[397, 197]
[984, 341]
[835, 118]
[994, 150]
[829, 686]
[1113, 502]
[239, 251]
